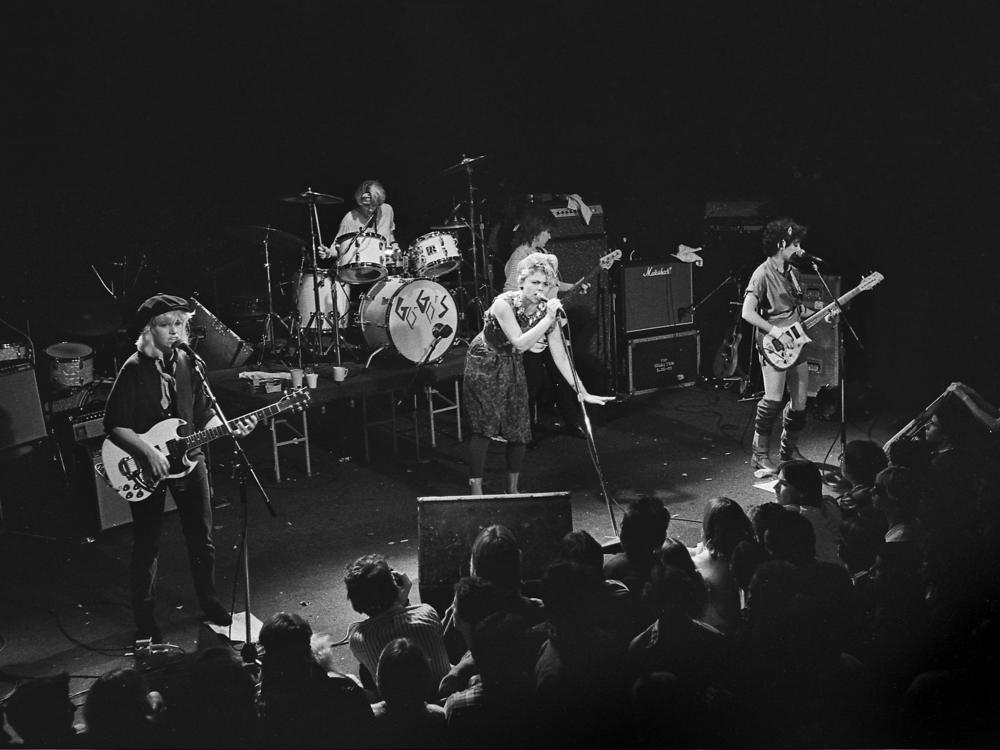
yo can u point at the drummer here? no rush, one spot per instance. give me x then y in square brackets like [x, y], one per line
[370, 197]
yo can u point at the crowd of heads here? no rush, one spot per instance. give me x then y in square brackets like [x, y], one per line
[748, 637]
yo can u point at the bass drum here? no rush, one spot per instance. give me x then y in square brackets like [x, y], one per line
[416, 317]
[306, 300]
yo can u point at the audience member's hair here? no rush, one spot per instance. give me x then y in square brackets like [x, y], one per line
[476, 598]
[723, 526]
[40, 711]
[955, 420]
[218, 709]
[581, 547]
[569, 589]
[644, 527]
[902, 487]
[117, 710]
[792, 538]
[496, 557]
[863, 459]
[913, 454]
[804, 477]
[671, 593]
[286, 636]
[861, 536]
[403, 675]
[675, 552]
[762, 516]
[746, 557]
[370, 585]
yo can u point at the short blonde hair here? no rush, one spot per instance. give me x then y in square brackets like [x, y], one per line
[544, 262]
[375, 188]
[145, 341]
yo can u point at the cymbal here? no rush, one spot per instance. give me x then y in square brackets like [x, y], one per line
[277, 239]
[99, 320]
[450, 227]
[311, 196]
[464, 163]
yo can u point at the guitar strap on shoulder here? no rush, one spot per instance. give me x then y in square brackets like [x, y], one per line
[184, 376]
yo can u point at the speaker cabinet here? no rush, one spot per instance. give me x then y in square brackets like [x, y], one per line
[448, 525]
[666, 361]
[653, 296]
[21, 418]
[821, 353]
[589, 313]
[215, 342]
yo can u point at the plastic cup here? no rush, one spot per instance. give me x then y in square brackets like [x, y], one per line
[340, 374]
[297, 374]
[312, 378]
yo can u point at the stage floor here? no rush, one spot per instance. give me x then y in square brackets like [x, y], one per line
[64, 601]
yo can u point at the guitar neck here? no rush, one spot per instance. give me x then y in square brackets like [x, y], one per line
[586, 277]
[842, 300]
[202, 437]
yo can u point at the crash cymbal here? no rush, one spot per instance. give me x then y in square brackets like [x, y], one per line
[464, 163]
[450, 227]
[98, 320]
[311, 196]
[276, 239]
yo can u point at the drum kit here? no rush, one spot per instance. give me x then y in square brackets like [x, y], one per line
[375, 296]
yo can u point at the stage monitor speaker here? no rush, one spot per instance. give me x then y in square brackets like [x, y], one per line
[589, 313]
[654, 296]
[821, 353]
[666, 361]
[215, 342]
[448, 525]
[21, 418]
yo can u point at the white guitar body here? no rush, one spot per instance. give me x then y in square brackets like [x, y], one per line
[128, 477]
[782, 347]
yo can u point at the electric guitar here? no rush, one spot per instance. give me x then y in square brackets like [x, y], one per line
[132, 480]
[782, 347]
[604, 264]
[726, 361]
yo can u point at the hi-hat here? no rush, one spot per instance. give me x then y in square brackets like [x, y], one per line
[464, 163]
[450, 227]
[276, 239]
[311, 196]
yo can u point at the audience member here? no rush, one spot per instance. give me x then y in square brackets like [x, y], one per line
[897, 497]
[403, 718]
[217, 707]
[496, 556]
[41, 712]
[800, 489]
[861, 536]
[382, 595]
[723, 526]
[475, 599]
[643, 531]
[121, 711]
[301, 703]
[862, 460]
[613, 607]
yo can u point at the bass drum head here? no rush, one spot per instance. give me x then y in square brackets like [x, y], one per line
[406, 314]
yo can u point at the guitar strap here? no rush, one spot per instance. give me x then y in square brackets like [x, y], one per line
[184, 378]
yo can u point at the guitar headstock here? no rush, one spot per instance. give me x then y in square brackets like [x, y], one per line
[297, 399]
[608, 260]
[871, 280]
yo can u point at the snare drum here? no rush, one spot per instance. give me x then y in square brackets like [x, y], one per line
[416, 317]
[435, 254]
[361, 257]
[12, 350]
[71, 365]
[307, 300]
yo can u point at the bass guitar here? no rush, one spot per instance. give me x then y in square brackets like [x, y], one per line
[782, 347]
[130, 479]
[604, 264]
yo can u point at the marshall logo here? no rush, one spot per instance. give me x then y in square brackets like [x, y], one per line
[658, 271]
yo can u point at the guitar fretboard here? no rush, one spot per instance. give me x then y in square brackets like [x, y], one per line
[206, 436]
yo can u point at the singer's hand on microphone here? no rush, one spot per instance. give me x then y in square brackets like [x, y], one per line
[554, 307]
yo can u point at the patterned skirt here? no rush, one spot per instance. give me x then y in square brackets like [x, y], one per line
[496, 393]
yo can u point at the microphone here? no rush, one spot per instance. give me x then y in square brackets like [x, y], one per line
[808, 256]
[183, 346]
[560, 313]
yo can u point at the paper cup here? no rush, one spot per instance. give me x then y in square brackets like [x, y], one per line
[312, 378]
[340, 374]
[296, 377]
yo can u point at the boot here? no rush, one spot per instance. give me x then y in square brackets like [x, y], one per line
[792, 424]
[761, 459]
[512, 483]
[476, 486]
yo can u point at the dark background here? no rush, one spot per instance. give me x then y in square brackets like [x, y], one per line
[141, 130]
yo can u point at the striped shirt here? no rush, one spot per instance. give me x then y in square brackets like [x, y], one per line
[419, 622]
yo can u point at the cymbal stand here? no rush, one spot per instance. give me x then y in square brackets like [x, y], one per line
[267, 342]
[478, 244]
[317, 317]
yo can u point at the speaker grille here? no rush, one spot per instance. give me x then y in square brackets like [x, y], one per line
[21, 418]
[653, 295]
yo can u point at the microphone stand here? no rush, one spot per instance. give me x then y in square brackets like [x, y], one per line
[834, 478]
[242, 469]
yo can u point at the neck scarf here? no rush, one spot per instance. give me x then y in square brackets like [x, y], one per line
[168, 386]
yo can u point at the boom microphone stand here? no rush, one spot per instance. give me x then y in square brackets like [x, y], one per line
[242, 469]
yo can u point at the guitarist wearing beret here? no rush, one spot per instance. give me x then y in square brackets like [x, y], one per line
[773, 301]
[160, 381]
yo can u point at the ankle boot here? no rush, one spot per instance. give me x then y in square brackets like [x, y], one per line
[761, 459]
[512, 483]
[792, 423]
[476, 486]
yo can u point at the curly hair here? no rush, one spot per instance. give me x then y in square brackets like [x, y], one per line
[781, 230]
[537, 262]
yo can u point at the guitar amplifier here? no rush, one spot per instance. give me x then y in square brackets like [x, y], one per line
[86, 423]
[655, 296]
[570, 223]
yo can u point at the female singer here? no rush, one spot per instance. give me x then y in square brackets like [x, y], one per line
[496, 393]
